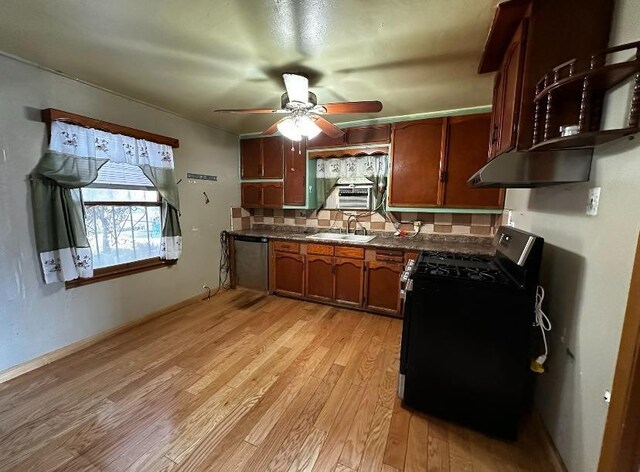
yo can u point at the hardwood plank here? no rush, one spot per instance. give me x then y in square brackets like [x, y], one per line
[417, 454]
[309, 451]
[240, 457]
[337, 435]
[287, 451]
[398, 437]
[374, 449]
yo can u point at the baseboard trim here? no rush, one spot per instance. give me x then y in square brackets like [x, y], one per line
[28, 366]
[549, 446]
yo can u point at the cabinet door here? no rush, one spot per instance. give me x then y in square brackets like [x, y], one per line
[251, 158]
[496, 116]
[467, 141]
[324, 141]
[511, 86]
[295, 173]
[348, 281]
[319, 277]
[251, 195]
[272, 157]
[272, 194]
[382, 287]
[369, 134]
[416, 163]
[289, 273]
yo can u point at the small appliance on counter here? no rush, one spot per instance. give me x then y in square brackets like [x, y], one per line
[467, 332]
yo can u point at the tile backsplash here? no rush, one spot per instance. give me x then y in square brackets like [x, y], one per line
[441, 223]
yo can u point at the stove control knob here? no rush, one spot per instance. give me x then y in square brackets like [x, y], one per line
[405, 276]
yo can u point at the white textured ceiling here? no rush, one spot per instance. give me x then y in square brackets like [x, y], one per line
[193, 56]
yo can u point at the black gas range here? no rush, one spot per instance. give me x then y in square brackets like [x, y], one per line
[467, 330]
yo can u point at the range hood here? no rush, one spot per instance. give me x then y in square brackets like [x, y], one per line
[528, 169]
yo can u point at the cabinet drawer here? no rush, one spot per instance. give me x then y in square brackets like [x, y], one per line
[284, 246]
[390, 256]
[322, 249]
[351, 252]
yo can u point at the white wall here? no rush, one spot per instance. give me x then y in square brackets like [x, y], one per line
[37, 318]
[587, 272]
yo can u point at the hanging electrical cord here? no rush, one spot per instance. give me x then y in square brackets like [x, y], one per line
[541, 321]
[224, 266]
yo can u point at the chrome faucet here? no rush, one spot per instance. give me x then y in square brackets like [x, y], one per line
[355, 225]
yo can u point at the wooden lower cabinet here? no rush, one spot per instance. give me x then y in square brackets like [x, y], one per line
[348, 281]
[344, 279]
[319, 277]
[382, 287]
[288, 273]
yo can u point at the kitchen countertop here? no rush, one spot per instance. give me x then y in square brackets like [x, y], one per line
[459, 243]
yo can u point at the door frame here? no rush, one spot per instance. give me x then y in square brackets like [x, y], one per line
[621, 444]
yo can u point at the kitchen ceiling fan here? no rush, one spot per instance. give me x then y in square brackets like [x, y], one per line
[304, 114]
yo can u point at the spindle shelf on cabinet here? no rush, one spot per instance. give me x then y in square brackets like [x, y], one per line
[573, 93]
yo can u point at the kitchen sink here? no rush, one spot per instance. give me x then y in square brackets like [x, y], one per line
[358, 238]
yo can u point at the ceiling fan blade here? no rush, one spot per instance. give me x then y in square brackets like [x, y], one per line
[251, 110]
[273, 128]
[338, 108]
[297, 87]
[329, 128]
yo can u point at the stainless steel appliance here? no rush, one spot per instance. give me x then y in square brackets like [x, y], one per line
[529, 169]
[251, 262]
[467, 330]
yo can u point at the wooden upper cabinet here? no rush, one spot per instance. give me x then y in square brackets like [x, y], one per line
[261, 194]
[251, 195]
[527, 40]
[467, 142]
[295, 173]
[508, 89]
[271, 194]
[378, 134]
[416, 163]
[272, 157]
[324, 141]
[251, 158]
[262, 158]
[288, 272]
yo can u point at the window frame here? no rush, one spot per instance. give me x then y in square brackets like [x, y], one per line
[126, 268]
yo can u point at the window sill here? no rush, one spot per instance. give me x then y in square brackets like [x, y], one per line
[120, 270]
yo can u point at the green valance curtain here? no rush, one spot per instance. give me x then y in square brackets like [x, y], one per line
[73, 160]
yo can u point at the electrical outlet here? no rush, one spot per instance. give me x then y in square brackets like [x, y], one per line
[594, 200]
[607, 396]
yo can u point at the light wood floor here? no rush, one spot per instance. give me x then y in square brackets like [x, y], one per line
[243, 382]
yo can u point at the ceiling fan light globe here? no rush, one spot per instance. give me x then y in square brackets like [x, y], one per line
[289, 129]
[308, 127]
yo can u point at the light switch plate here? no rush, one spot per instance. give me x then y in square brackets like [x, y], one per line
[594, 201]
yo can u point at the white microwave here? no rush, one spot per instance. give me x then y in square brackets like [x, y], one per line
[350, 197]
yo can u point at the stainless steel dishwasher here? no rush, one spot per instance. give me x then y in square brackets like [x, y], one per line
[252, 262]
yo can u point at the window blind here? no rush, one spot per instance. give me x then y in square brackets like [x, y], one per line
[118, 175]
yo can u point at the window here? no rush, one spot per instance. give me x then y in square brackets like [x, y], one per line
[123, 225]
[123, 222]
